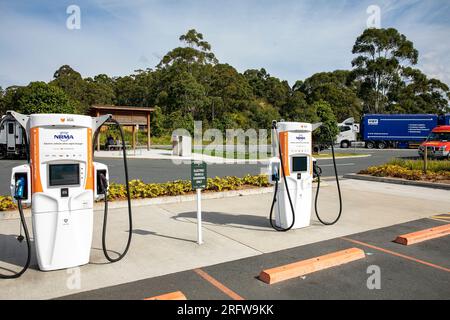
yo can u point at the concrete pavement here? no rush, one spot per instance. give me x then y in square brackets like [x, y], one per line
[418, 272]
[234, 228]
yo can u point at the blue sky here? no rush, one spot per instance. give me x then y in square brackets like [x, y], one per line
[291, 39]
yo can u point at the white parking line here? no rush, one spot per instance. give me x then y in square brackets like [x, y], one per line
[339, 165]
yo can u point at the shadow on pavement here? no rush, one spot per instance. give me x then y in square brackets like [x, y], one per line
[242, 221]
[14, 252]
[152, 233]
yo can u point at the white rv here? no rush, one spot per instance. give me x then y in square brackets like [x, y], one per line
[12, 142]
[348, 133]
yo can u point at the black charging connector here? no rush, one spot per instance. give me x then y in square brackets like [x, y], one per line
[102, 182]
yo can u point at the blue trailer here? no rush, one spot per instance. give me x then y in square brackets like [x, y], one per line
[396, 130]
[444, 120]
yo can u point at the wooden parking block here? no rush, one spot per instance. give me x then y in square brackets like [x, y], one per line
[303, 267]
[178, 295]
[423, 235]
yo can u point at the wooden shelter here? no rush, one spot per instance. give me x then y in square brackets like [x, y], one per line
[128, 116]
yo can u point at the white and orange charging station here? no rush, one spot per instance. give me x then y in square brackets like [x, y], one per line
[61, 186]
[291, 171]
[293, 165]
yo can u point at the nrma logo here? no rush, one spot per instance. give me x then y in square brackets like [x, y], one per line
[63, 136]
[301, 138]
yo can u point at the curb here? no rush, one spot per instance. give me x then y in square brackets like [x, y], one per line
[9, 215]
[424, 184]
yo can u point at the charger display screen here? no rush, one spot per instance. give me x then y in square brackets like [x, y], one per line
[299, 164]
[64, 175]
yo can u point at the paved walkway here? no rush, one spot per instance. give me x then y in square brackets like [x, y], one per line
[234, 228]
[161, 154]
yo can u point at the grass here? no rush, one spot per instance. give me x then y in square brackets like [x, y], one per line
[433, 165]
[246, 155]
[233, 155]
[162, 141]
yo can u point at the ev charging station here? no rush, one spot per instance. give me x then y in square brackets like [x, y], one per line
[294, 141]
[293, 164]
[61, 183]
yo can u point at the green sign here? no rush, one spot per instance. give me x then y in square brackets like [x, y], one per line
[198, 175]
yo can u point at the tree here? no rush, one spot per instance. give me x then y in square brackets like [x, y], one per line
[337, 89]
[197, 51]
[39, 97]
[99, 90]
[275, 91]
[71, 82]
[158, 122]
[298, 109]
[257, 80]
[382, 55]
[139, 89]
[180, 120]
[418, 94]
[228, 90]
[329, 129]
[262, 114]
[186, 95]
[2, 101]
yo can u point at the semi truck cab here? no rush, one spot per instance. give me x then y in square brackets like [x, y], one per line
[348, 133]
[438, 143]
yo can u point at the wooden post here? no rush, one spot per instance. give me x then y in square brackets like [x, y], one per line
[148, 131]
[425, 160]
[99, 132]
[133, 133]
[199, 217]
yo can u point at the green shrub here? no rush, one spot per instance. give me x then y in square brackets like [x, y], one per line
[405, 172]
[6, 203]
[141, 190]
[433, 165]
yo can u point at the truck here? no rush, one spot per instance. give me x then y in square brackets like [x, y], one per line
[389, 130]
[444, 120]
[12, 140]
[437, 143]
[397, 130]
[348, 133]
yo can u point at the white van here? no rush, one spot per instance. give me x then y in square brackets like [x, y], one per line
[12, 142]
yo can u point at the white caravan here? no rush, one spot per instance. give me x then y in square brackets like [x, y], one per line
[12, 142]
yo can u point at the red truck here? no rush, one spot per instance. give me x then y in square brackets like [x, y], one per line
[438, 144]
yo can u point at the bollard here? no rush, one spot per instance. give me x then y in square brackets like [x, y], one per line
[425, 160]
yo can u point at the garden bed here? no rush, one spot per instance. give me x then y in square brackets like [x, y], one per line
[141, 190]
[413, 170]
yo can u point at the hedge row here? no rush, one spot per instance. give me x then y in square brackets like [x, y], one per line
[398, 171]
[141, 190]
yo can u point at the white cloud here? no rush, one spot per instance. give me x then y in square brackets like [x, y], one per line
[291, 39]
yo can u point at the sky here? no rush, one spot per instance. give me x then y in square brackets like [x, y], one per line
[291, 39]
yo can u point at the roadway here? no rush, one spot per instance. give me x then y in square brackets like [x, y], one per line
[165, 170]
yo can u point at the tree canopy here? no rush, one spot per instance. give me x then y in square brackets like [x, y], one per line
[387, 80]
[190, 83]
[38, 97]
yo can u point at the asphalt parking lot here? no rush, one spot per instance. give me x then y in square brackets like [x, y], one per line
[165, 170]
[420, 271]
